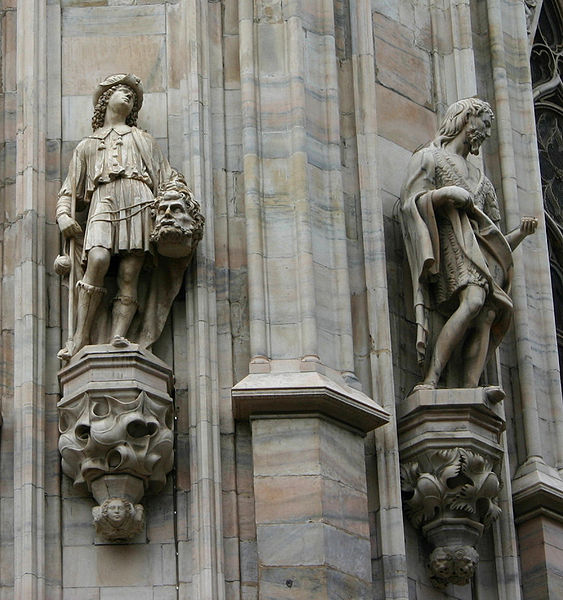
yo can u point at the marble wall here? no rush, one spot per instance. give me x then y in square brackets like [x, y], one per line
[293, 123]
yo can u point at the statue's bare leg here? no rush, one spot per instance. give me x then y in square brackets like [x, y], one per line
[477, 347]
[125, 304]
[90, 292]
[471, 300]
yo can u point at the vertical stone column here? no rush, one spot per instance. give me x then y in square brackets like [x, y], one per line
[311, 508]
[537, 486]
[454, 60]
[309, 485]
[202, 559]
[299, 294]
[30, 304]
[294, 114]
[372, 341]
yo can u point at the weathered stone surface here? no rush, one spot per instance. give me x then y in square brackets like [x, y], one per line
[115, 419]
[307, 514]
[450, 465]
[295, 122]
[305, 392]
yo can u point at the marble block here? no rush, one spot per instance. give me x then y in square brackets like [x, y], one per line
[311, 508]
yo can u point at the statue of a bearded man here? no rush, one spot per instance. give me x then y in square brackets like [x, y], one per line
[460, 261]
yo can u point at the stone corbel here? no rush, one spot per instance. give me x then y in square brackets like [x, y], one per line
[450, 460]
[116, 432]
[451, 496]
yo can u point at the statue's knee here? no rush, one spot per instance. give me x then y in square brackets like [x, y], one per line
[474, 301]
[129, 271]
[489, 316]
[98, 260]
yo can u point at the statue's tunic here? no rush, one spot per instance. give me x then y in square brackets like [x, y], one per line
[448, 248]
[116, 172]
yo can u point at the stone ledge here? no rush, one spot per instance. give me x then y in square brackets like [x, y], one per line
[537, 489]
[306, 392]
[106, 363]
[449, 418]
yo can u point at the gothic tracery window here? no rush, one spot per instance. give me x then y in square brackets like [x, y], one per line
[547, 72]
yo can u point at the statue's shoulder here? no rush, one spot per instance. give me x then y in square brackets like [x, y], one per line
[142, 134]
[85, 142]
[424, 157]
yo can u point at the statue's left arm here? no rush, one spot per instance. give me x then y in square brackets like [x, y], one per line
[528, 226]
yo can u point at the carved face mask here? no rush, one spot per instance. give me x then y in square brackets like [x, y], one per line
[174, 226]
[116, 511]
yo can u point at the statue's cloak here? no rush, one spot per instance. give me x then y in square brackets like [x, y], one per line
[480, 250]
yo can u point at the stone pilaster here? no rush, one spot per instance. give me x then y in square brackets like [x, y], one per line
[310, 493]
[316, 278]
[201, 555]
[537, 485]
[30, 305]
[538, 508]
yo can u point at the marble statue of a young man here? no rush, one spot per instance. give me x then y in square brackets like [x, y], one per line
[116, 173]
[460, 262]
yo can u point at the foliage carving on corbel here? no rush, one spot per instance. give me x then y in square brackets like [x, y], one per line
[446, 481]
[451, 494]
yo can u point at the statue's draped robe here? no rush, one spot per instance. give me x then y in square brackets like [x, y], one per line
[115, 173]
[449, 248]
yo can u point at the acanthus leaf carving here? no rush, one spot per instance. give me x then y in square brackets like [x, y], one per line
[451, 490]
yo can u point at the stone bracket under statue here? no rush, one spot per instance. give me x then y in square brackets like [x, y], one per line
[116, 419]
[451, 452]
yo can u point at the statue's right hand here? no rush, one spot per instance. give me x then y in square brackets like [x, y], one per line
[69, 227]
[458, 196]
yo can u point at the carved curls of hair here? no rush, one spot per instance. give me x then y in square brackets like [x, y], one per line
[458, 114]
[102, 103]
[178, 184]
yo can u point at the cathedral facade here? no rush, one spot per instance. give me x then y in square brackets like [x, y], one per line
[257, 415]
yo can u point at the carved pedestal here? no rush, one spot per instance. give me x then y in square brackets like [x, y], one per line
[116, 431]
[450, 450]
[310, 493]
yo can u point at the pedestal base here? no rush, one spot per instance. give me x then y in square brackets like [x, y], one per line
[116, 418]
[450, 449]
[306, 392]
[309, 483]
[441, 419]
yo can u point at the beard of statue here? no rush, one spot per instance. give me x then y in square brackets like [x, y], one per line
[475, 138]
[172, 239]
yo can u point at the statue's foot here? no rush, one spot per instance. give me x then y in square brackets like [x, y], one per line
[423, 386]
[494, 393]
[119, 341]
[64, 354]
[67, 351]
